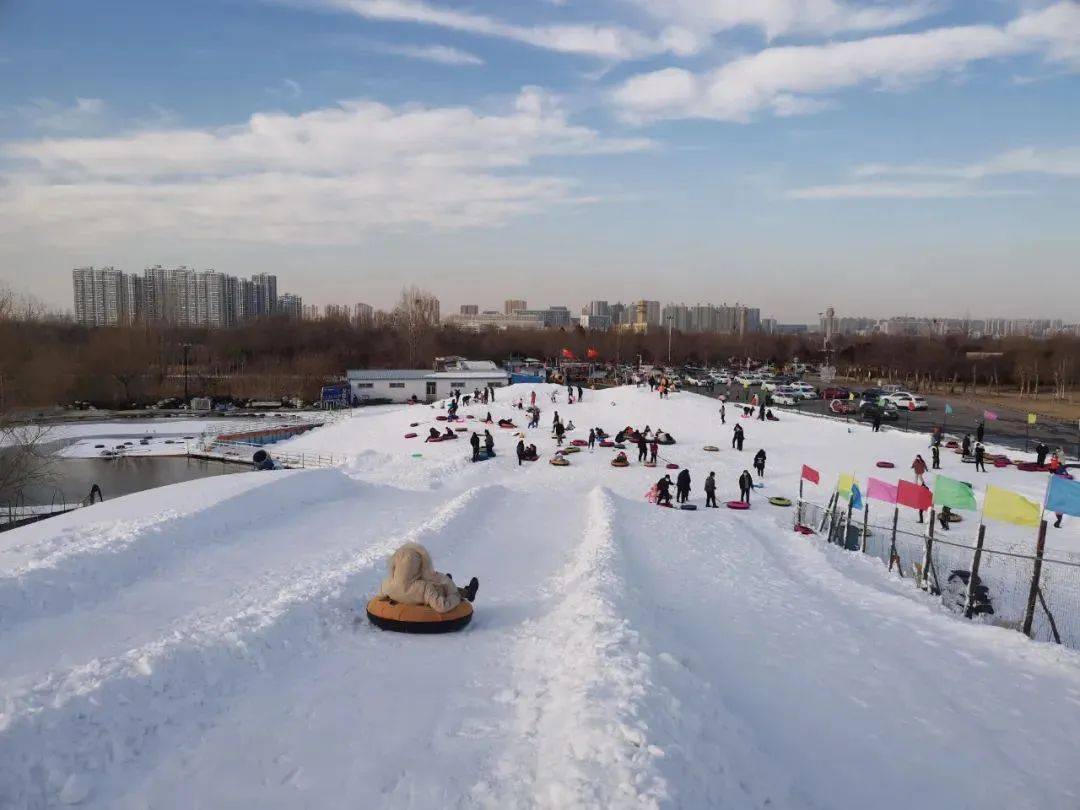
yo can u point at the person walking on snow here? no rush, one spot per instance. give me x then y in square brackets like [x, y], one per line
[532, 398]
[682, 486]
[980, 431]
[723, 414]
[592, 438]
[759, 462]
[474, 440]
[761, 410]
[663, 491]
[580, 393]
[654, 450]
[489, 443]
[746, 483]
[980, 456]
[877, 421]
[739, 438]
[918, 466]
[710, 491]
[965, 446]
[642, 448]
[935, 457]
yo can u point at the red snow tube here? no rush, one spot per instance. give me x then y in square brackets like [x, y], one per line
[672, 466]
[504, 423]
[1001, 462]
[1031, 466]
[579, 443]
[607, 443]
[952, 444]
[886, 465]
[410, 435]
[620, 462]
[650, 463]
[804, 529]
[440, 418]
[737, 505]
[389, 615]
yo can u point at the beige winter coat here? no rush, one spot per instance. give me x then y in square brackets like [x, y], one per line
[413, 580]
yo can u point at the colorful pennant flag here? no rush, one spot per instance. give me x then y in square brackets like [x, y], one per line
[914, 496]
[1032, 418]
[989, 416]
[856, 496]
[954, 494]
[845, 483]
[1010, 507]
[811, 475]
[948, 409]
[879, 490]
[1063, 496]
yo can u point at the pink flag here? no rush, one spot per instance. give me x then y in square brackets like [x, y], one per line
[989, 416]
[881, 491]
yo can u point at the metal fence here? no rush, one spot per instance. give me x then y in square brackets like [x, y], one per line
[1011, 587]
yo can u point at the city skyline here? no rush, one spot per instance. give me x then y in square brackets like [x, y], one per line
[883, 156]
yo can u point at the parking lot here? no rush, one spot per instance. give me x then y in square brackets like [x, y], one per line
[1009, 429]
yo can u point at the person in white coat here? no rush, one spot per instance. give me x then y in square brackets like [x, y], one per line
[413, 580]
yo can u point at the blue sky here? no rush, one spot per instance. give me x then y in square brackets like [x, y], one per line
[878, 157]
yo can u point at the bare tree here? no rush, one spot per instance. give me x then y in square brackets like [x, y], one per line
[25, 460]
[417, 316]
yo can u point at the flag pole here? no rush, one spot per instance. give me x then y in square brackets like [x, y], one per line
[974, 573]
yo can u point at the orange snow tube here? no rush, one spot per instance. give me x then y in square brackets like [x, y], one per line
[400, 618]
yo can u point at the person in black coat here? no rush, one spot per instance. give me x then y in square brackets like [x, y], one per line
[935, 457]
[738, 438]
[761, 410]
[877, 421]
[710, 490]
[1041, 452]
[980, 457]
[682, 486]
[663, 491]
[520, 451]
[746, 483]
[980, 431]
[592, 438]
[759, 463]
[474, 440]
[489, 443]
[642, 448]
[965, 446]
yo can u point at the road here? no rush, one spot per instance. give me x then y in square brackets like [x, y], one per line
[1009, 429]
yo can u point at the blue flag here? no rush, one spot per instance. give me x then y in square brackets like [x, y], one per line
[856, 497]
[1063, 496]
[948, 408]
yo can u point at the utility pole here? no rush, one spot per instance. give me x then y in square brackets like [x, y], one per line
[670, 320]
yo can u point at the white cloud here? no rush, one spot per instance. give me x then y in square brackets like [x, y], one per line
[439, 54]
[776, 18]
[44, 113]
[1063, 162]
[789, 79]
[326, 176]
[607, 41]
[892, 190]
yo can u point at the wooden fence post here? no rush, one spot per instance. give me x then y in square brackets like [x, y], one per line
[974, 575]
[865, 522]
[1029, 614]
[928, 558]
[798, 509]
[892, 542]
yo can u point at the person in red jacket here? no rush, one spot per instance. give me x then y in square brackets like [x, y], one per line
[918, 466]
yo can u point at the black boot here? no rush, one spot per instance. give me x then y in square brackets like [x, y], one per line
[469, 591]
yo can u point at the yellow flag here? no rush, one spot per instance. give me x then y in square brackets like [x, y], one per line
[1031, 418]
[844, 484]
[1010, 507]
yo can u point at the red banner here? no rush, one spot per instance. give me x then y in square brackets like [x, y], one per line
[567, 354]
[810, 474]
[914, 495]
[592, 354]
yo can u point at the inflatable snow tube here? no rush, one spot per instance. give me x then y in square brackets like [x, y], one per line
[460, 430]
[672, 466]
[665, 442]
[414, 424]
[571, 449]
[688, 507]
[559, 461]
[579, 443]
[738, 505]
[649, 464]
[804, 529]
[389, 615]
[410, 435]
[778, 501]
[506, 424]
[955, 518]
[885, 465]
[606, 443]
[434, 439]
[441, 418]
[620, 463]
[952, 445]
[711, 448]
[1001, 462]
[1031, 466]
[619, 446]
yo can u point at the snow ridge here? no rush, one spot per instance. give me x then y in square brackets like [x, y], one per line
[581, 678]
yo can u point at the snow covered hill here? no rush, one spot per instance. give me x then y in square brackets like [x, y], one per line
[197, 646]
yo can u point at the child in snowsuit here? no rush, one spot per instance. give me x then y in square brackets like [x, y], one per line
[918, 466]
[759, 463]
[654, 450]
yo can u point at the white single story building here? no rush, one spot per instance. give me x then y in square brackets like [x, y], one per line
[401, 385]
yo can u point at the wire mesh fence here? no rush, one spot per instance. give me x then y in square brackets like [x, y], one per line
[1011, 588]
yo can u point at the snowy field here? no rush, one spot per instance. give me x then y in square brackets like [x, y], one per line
[196, 646]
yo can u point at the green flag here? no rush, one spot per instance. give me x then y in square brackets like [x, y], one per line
[953, 494]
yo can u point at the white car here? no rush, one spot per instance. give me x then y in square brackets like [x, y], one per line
[785, 396]
[904, 400]
[804, 390]
[747, 379]
[721, 378]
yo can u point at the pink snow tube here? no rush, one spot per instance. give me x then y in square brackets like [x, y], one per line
[579, 443]
[672, 466]
[738, 505]
[886, 465]
[410, 435]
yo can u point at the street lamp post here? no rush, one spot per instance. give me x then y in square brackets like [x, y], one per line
[670, 320]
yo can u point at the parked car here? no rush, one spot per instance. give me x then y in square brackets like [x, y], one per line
[785, 396]
[804, 390]
[892, 388]
[868, 410]
[908, 401]
[835, 392]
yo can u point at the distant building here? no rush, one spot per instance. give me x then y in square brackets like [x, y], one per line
[337, 312]
[106, 297]
[470, 309]
[291, 306]
[512, 305]
[495, 320]
[402, 385]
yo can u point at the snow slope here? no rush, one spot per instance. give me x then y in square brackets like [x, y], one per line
[197, 645]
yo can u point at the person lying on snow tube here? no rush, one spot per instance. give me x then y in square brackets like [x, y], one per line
[770, 417]
[433, 436]
[620, 460]
[450, 434]
[413, 580]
